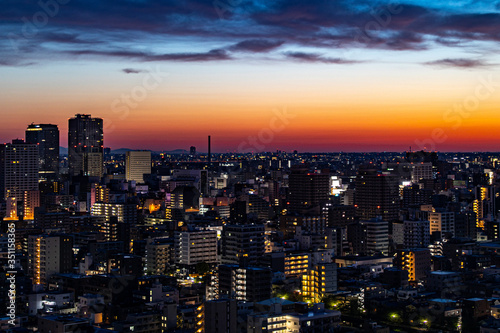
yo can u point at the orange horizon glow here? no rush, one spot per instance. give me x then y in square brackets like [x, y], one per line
[349, 111]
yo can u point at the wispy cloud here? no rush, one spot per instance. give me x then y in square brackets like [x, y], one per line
[257, 45]
[211, 55]
[133, 71]
[313, 57]
[459, 62]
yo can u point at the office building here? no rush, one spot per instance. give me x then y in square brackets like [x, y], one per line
[242, 241]
[137, 164]
[307, 188]
[48, 255]
[377, 236]
[193, 247]
[416, 234]
[46, 137]
[18, 174]
[126, 213]
[85, 146]
[377, 194]
[338, 215]
[420, 171]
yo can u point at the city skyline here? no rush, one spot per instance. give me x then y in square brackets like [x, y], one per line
[254, 145]
[364, 76]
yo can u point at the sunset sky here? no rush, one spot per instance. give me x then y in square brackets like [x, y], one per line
[311, 75]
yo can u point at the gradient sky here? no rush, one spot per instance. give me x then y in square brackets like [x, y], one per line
[362, 75]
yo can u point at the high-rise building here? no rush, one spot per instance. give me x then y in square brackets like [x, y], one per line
[416, 261]
[193, 247]
[192, 151]
[339, 215]
[126, 213]
[417, 234]
[242, 241]
[422, 170]
[159, 255]
[307, 189]
[46, 137]
[18, 174]
[443, 222]
[319, 281]
[377, 236]
[297, 264]
[137, 164]
[480, 205]
[48, 255]
[415, 196]
[377, 194]
[85, 146]
[218, 316]
[249, 284]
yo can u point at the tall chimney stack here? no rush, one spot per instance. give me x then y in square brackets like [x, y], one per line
[209, 152]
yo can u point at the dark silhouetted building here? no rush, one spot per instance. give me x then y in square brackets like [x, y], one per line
[307, 188]
[377, 194]
[46, 137]
[85, 146]
[242, 241]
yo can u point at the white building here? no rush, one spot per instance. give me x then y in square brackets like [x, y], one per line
[193, 247]
[137, 164]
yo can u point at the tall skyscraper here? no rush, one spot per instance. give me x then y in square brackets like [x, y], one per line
[377, 194]
[85, 146]
[137, 164]
[307, 189]
[18, 174]
[46, 137]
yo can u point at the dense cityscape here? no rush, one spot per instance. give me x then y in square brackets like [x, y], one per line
[250, 166]
[98, 240]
